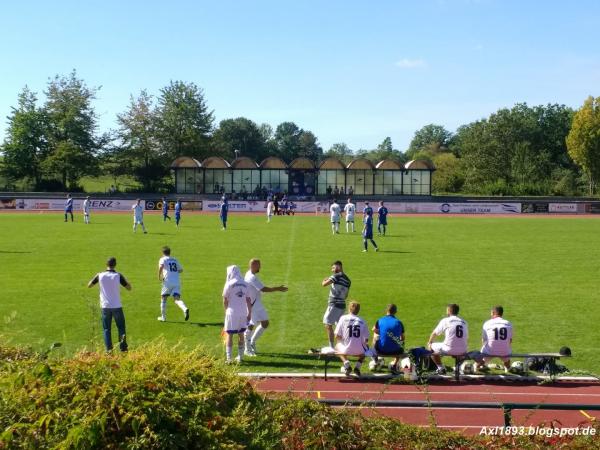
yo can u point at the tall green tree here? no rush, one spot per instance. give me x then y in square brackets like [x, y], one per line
[183, 121]
[583, 141]
[139, 150]
[428, 137]
[25, 145]
[241, 135]
[287, 139]
[309, 146]
[72, 131]
[340, 151]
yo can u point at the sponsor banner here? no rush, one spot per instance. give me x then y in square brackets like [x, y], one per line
[592, 208]
[8, 203]
[96, 204]
[565, 208]
[535, 208]
[157, 205]
[446, 208]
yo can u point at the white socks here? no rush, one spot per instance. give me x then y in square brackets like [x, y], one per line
[258, 331]
[181, 305]
[228, 350]
[163, 309]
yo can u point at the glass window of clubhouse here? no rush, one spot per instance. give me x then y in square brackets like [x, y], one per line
[245, 178]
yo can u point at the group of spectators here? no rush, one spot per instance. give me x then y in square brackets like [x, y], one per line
[337, 191]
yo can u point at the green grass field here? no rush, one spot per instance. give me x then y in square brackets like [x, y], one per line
[543, 270]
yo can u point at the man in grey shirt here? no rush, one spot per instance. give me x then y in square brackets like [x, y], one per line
[338, 292]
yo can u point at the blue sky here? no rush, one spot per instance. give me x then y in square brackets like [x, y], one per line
[350, 71]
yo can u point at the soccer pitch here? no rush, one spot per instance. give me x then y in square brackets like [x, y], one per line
[543, 270]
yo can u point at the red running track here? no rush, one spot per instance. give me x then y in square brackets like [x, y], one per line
[467, 420]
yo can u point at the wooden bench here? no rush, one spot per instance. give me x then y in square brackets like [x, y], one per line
[328, 357]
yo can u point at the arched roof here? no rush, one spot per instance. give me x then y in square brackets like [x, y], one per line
[360, 163]
[419, 164]
[215, 162]
[302, 163]
[273, 162]
[389, 164]
[243, 162]
[185, 161]
[331, 164]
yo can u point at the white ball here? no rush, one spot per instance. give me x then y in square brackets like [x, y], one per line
[373, 366]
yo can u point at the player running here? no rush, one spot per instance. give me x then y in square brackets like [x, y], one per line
[168, 272]
[338, 292]
[367, 232]
[238, 310]
[382, 213]
[259, 313]
[178, 208]
[69, 207]
[350, 210]
[456, 336]
[165, 209]
[335, 211]
[86, 210]
[138, 216]
[223, 210]
[352, 337]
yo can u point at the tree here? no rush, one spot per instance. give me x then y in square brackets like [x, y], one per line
[241, 135]
[448, 174]
[429, 136]
[139, 151]
[287, 139]
[308, 146]
[184, 122]
[340, 151]
[72, 129]
[583, 141]
[25, 145]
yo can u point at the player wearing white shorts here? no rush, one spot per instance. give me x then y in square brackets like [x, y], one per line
[238, 309]
[259, 313]
[138, 216]
[456, 336]
[86, 210]
[496, 339]
[350, 210]
[352, 336]
[335, 211]
[270, 208]
[168, 272]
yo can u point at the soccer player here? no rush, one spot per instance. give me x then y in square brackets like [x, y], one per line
[367, 210]
[367, 232]
[456, 336]
[335, 212]
[338, 292]
[496, 339]
[110, 303]
[138, 216]
[165, 209]
[224, 209]
[352, 337]
[86, 210]
[349, 210]
[168, 272]
[259, 313]
[178, 208]
[69, 207]
[238, 310]
[270, 209]
[382, 213]
[388, 336]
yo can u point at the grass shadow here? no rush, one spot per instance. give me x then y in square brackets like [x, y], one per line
[198, 324]
[13, 251]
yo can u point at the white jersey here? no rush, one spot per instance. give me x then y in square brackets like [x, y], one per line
[236, 292]
[456, 334]
[138, 212]
[497, 336]
[270, 208]
[350, 209]
[353, 334]
[170, 270]
[335, 211]
[86, 206]
[109, 281]
[255, 286]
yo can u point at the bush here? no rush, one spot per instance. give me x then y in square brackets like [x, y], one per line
[155, 398]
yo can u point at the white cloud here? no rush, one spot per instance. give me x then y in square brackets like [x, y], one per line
[407, 63]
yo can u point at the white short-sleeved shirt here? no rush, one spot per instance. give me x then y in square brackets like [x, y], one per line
[269, 208]
[350, 209]
[86, 206]
[170, 270]
[497, 335]
[335, 211]
[236, 291]
[255, 286]
[456, 333]
[354, 334]
[138, 211]
[110, 294]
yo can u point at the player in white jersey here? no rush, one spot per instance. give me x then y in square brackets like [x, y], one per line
[496, 339]
[456, 336]
[352, 336]
[138, 216]
[86, 210]
[168, 272]
[259, 313]
[349, 210]
[238, 309]
[335, 211]
[270, 208]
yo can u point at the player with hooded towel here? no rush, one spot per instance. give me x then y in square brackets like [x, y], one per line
[238, 310]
